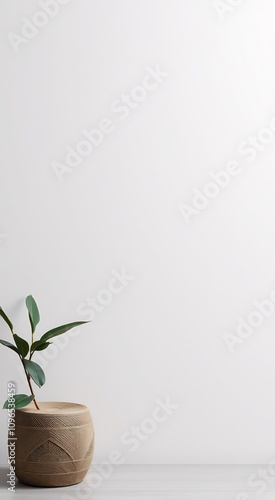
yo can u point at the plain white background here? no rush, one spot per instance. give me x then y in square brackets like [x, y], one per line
[162, 335]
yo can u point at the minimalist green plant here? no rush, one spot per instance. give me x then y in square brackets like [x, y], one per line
[26, 351]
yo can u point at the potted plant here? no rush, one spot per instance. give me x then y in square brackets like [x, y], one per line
[54, 441]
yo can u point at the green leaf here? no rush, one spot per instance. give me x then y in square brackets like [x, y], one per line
[22, 345]
[34, 316]
[61, 329]
[5, 318]
[40, 345]
[9, 345]
[35, 372]
[21, 400]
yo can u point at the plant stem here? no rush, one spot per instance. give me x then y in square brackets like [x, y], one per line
[28, 377]
[31, 345]
[30, 385]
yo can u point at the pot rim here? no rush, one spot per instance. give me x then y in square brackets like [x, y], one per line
[54, 408]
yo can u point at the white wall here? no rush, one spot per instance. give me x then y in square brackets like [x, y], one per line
[162, 334]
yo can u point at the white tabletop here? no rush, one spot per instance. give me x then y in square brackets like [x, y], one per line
[148, 482]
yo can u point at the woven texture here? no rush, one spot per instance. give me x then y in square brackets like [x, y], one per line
[55, 445]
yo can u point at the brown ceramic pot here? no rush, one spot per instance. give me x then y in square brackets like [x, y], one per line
[54, 445]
